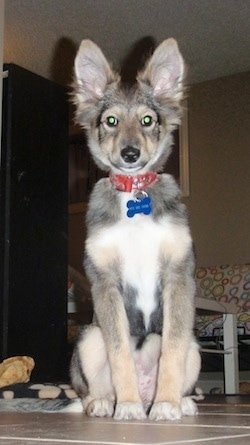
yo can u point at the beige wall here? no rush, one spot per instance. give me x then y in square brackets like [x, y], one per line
[219, 202]
[219, 141]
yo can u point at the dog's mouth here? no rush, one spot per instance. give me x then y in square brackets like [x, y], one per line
[128, 169]
[131, 169]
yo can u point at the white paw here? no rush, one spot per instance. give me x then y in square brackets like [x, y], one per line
[100, 408]
[165, 411]
[129, 411]
[188, 407]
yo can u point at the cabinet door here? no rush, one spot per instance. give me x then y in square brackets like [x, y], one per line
[34, 190]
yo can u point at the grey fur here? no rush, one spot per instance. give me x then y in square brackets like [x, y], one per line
[106, 362]
[27, 405]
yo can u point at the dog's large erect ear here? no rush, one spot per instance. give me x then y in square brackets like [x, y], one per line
[92, 72]
[164, 71]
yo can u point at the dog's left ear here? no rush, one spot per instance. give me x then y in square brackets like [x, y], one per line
[164, 71]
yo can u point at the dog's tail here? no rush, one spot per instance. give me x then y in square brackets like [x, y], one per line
[41, 405]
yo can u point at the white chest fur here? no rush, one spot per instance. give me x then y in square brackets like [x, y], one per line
[138, 245]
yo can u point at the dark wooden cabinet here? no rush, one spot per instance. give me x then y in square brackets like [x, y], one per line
[33, 222]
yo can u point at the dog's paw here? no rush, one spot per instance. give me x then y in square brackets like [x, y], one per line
[100, 408]
[188, 407]
[165, 411]
[129, 411]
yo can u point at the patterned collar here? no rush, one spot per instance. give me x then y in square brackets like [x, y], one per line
[127, 183]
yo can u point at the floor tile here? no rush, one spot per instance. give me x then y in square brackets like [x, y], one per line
[36, 428]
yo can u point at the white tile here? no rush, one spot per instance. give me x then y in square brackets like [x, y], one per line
[74, 428]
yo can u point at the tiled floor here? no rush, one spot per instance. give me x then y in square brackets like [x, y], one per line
[217, 424]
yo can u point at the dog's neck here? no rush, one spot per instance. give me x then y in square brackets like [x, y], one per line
[127, 183]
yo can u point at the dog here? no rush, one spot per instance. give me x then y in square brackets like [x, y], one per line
[139, 357]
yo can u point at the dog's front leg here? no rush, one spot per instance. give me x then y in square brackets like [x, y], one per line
[168, 400]
[112, 318]
[178, 348]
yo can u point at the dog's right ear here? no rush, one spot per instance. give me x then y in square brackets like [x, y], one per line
[92, 73]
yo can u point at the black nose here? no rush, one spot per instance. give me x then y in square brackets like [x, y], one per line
[130, 154]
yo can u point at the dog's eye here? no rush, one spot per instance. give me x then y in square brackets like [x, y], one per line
[147, 121]
[112, 121]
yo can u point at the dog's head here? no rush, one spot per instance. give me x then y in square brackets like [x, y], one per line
[129, 128]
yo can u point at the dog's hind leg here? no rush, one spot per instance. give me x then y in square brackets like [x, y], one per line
[193, 364]
[96, 388]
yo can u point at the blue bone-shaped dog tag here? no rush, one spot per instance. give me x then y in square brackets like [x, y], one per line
[139, 206]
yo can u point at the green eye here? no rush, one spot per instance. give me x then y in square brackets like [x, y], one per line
[111, 121]
[146, 121]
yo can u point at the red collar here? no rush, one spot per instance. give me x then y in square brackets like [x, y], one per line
[127, 183]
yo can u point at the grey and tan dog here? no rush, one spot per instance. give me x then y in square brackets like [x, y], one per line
[139, 356]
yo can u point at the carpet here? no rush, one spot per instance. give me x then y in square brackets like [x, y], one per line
[43, 397]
